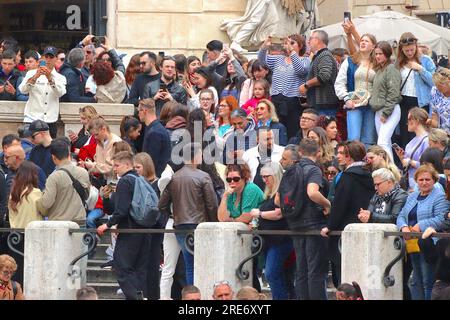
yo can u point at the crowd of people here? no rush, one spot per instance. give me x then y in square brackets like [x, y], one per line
[302, 138]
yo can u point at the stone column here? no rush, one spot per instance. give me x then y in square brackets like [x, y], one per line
[218, 252]
[49, 249]
[365, 255]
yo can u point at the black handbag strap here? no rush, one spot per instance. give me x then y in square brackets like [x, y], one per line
[404, 83]
[74, 183]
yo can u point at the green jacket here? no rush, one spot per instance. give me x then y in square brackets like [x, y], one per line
[386, 90]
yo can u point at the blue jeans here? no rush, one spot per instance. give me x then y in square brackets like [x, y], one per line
[276, 255]
[328, 112]
[92, 216]
[188, 258]
[422, 280]
[361, 125]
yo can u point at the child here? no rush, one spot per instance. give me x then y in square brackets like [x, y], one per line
[348, 291]
[261, 90]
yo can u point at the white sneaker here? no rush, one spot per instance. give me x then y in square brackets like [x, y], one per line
[119, 292]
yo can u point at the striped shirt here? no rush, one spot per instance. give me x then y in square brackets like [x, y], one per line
[287, 78]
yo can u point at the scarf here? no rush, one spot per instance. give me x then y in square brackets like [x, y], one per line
[379, 205]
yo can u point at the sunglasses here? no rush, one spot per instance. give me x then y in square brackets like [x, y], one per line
[234, 179]
[408, 41]
[331, 173]
[218, 283]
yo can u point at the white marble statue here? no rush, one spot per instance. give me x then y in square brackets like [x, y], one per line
[263, 18]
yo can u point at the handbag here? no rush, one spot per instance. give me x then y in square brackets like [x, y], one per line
[360, 97]
[412, 245]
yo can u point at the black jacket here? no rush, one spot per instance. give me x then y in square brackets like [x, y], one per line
[76, 83]
[175, 89]
[12, 78]
[157, 145]
[353, 192]
[139, 86]
[392, 207]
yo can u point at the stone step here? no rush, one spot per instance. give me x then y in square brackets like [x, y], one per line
[100, 252]
[95, 263]
[99, 275]
[106, 291]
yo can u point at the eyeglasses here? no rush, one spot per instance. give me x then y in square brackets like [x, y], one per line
[307, 119]
[106, 60]
[218, 283]
[408, 41]
[223, 106]
[234, 179]
[49, 56]
[377, 185]
[8, 273]
[331, 173]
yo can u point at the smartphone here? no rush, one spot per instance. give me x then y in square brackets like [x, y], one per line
[161, 54]
[163, 87]
[70, 132]
[347, 16]
[277, 40]
[396, 146]
[42, 63]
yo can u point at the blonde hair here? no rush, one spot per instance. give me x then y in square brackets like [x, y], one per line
[439, 136]
[250, 293]
[442, 77]
[7, 261]
[272, 110]
[98, 123]
[420, 115]
[276, 171]
[388, 162]
[89, 112]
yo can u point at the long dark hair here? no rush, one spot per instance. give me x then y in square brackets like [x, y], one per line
[25, 180]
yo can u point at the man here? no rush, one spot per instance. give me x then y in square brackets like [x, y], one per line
[308, 120]
[192, 197]
[14, 157]
[311, 251]
[40, 155]
[191, 293]
[89, 53]
[319, 87]
[26, 140]
[167, 89]
[156, 138]
[290, 156]
[8, 76]
[76, 80]
[44, 86]
[242, 138]
[61, 57]
[61, 201]
[353, 192]
[266, 151]
[149, 75]
[131, 251]
[222, 291]
[31, 63]
[102, 163]
[7, 141]
[213, 49]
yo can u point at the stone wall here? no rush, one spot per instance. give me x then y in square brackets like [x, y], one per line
[12, 116]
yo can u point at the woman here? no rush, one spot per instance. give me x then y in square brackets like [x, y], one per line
[249, 293]
[223, 122]
[388, 200]
[207, 102]
[417, 119]
[354, 86]
[320, 136]
[24, 196]
[269, 217]
[266, 115]
[192, 64]
[440, 100]
[258, 71]
[289, 73]
[424, 208]
[232, 80]
[447, 174]
[240, 197]
[130, 130]
[9, 289]
[417, 71]
[203, 80]
[329, 124]
[143, 164]
[385, 96]
[440, 139]
[111, 87]
[133, 69]
[87, 113]
[378, 158]
[177, 123]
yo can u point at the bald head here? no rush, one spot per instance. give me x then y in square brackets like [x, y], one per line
[14, 156]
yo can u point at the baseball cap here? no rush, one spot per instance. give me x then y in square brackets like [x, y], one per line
[38, 126]
[50, 50]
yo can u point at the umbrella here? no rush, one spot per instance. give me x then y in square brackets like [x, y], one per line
[389, 26]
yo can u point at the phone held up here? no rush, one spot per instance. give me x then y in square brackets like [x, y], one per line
[347, 16]
[396, 147]
[42, 63]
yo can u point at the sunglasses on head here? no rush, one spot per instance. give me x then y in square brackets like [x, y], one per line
[234, 179]
[408, 41]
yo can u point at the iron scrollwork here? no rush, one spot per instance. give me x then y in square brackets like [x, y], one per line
[399, 244]
[257, 243]
[14, 238]
[90, 240]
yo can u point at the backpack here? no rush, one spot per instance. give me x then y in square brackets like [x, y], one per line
[292, 192]
[144, 206]
[82, 191]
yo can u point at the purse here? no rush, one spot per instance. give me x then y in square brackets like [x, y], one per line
[412, 245]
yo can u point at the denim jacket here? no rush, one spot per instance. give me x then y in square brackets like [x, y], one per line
[430, 212]
[423, 80]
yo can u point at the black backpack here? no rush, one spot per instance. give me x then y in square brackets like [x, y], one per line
[292, 192]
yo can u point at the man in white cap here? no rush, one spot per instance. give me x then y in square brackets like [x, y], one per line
[45, 86]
